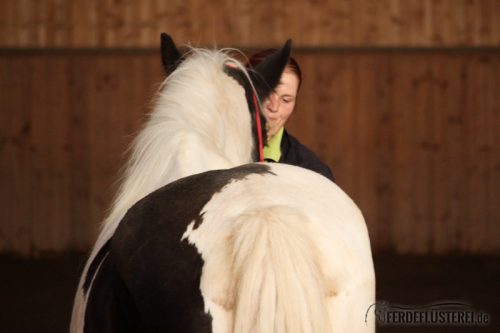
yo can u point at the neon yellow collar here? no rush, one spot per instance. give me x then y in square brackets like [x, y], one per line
[272, 150]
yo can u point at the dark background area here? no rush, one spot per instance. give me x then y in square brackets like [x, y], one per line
[37, 294]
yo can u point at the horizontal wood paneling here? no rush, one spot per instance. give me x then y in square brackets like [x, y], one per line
[66, 121]
[313, 23]
[413, 137]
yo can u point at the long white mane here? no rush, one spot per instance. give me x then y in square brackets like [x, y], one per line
[200, 122]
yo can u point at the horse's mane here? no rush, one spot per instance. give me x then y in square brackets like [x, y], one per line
[200, 122]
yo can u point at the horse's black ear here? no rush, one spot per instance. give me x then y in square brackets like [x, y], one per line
[267, 74]
[170, 56]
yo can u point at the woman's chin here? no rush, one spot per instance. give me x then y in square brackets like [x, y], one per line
[273, 122]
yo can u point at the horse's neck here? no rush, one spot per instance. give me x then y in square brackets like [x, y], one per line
[197, 126]
[183, 153]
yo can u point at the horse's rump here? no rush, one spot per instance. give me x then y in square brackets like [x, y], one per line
[248, 255]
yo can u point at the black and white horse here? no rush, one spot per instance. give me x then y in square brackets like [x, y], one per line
[198, 240]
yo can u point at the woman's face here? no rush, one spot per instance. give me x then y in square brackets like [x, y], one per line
[280, 104]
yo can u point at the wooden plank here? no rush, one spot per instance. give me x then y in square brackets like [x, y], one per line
[483, 173]
[337, 21]
[493, 20]
[449, 116]
[493, 108]
[83, 228]
[49, 103]
[425, 151]
[83, 25]
[16, 192]
[381, 23]
[104, 112]
[8, 24]
[406, 214]
[382, 149]
[472, 162]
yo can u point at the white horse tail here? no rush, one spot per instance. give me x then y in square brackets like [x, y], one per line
[278, 282]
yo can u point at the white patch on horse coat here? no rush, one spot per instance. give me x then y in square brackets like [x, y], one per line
[331, 224]
[200, 122]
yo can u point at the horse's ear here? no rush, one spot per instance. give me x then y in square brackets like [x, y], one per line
[267, 74]
[170, 56]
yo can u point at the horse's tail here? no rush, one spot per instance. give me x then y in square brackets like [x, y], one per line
[80, 302]
[278, 282]
[78, 313]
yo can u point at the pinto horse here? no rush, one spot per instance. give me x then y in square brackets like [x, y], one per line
[198, 240]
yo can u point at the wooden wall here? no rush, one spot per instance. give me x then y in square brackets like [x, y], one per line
[399, 98]
[66, 121]
[414, 138]
[245, 23]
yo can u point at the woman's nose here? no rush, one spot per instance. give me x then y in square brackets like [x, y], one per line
[273, 102]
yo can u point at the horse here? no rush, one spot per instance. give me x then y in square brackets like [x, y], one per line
[203, 238]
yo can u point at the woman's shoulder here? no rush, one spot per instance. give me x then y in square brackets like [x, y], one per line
[295, 153]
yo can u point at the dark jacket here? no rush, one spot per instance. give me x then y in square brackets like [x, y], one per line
[295, 153]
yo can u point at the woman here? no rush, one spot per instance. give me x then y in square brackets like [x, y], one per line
[281, 146]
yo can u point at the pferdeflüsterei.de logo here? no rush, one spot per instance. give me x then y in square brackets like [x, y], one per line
[445, 313]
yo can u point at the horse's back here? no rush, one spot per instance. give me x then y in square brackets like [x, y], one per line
[161, 248]
[163, 245]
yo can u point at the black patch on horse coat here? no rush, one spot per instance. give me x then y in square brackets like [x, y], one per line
[110, 307]
[95, 265]
[149, 269]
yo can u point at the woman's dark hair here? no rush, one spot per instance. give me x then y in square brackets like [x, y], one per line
[258, 57]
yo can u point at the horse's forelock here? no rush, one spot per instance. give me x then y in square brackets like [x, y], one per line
[220, 58]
